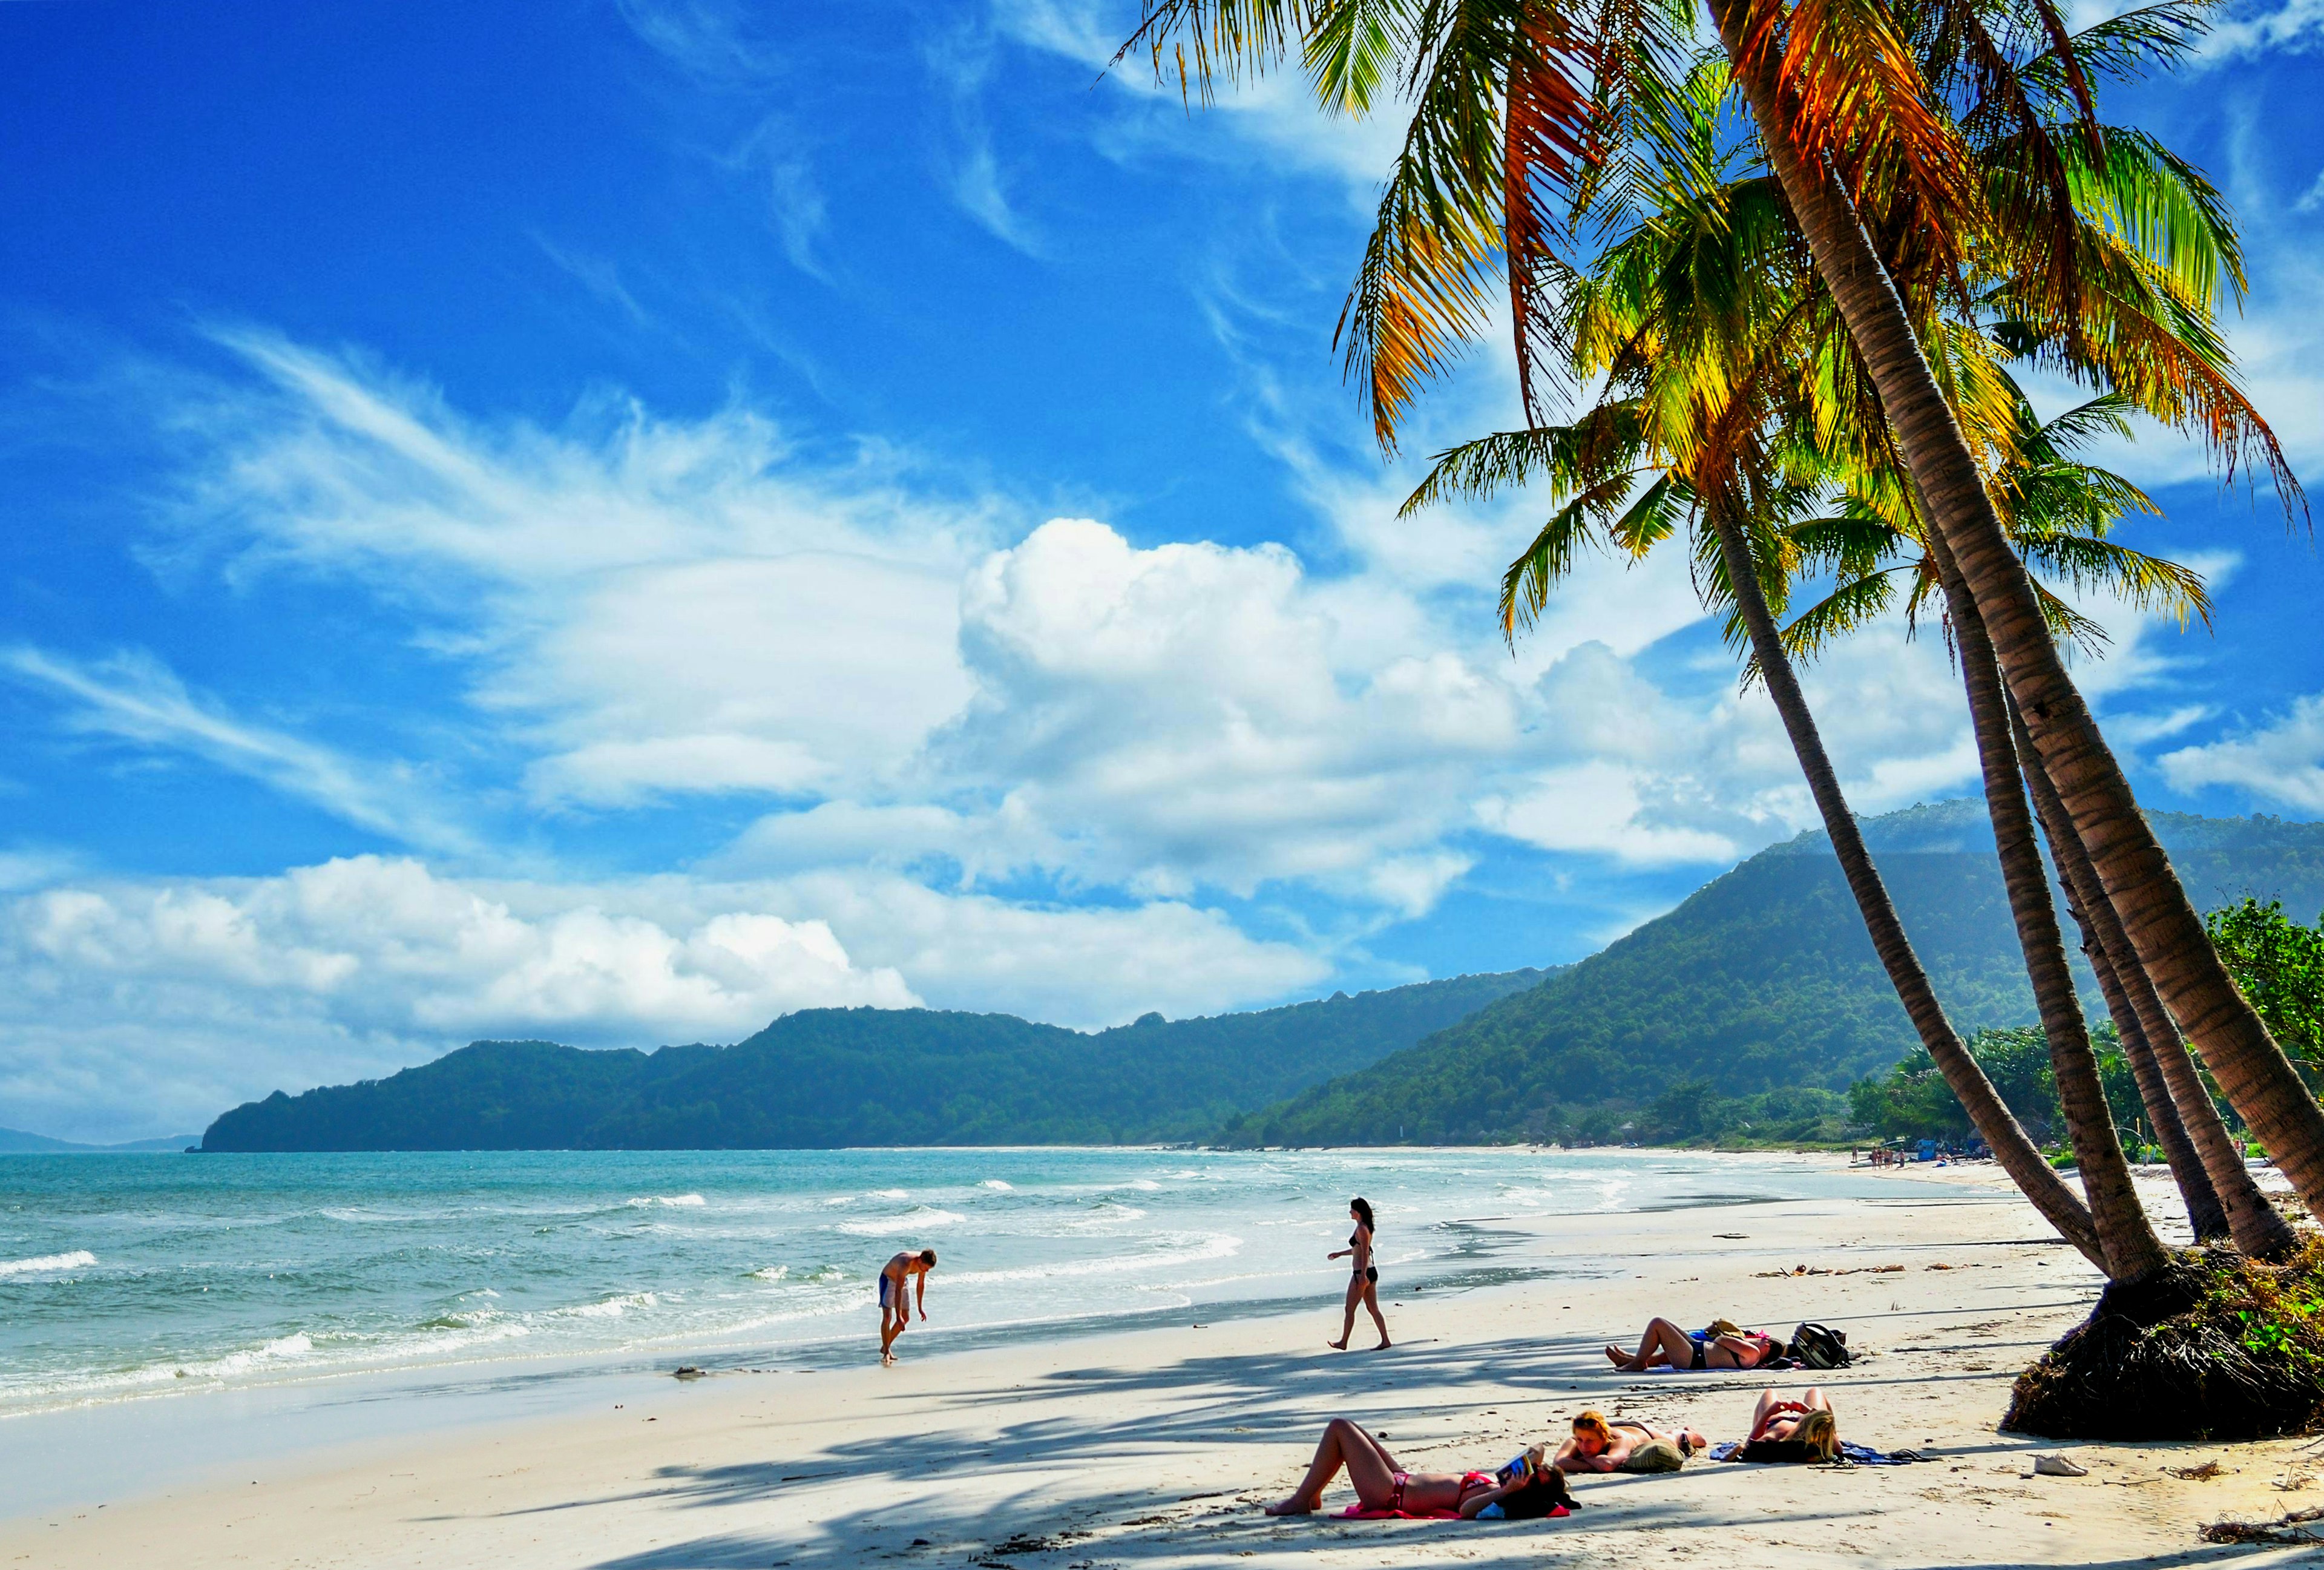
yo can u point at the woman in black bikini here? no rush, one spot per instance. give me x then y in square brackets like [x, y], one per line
[1364, 1284]
[1722, 1346]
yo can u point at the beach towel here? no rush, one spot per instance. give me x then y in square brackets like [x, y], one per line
[1850, 1454]
[1356, 1512]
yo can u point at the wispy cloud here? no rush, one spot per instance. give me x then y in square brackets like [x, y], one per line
[961, 59]
[134, 697]
[597, 274]
[717, 43]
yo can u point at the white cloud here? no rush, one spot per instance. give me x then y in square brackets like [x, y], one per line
[1276, 110]
[128, 1003]
[131, 697]
[1177, 711]
[2282, 760]
[656, 607]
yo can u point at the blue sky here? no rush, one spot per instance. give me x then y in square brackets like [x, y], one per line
[613, 520]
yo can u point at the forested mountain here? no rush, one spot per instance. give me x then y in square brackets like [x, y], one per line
[17, 1142]
[827, 1077]
[1762, 980]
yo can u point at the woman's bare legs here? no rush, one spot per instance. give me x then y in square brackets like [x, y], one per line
[1663, 1342]
[1371, 1301]
[1370, 1468]
[1355, 1296]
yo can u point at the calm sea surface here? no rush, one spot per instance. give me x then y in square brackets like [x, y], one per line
[127, 1277]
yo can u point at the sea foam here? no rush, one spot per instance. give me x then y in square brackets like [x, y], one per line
[41, 1264]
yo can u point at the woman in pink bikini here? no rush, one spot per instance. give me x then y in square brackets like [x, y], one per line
[1382, 1484]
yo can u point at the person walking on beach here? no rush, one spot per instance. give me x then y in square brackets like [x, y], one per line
[1363, 1283]
[897, 1273]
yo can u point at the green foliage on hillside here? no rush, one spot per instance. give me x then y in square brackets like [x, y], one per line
[2280, 965]
[1913, 1101]
[1763, 981]
[827, 1077]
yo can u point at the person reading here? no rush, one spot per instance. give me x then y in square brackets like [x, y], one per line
[1384, 1487]
[905, 1268]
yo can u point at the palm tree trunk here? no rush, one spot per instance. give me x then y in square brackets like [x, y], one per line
[2164, 932]
[1992, 1118]
[2132, 1247]
[2124, 1232]
[2258, 1228]
[2205, 1217]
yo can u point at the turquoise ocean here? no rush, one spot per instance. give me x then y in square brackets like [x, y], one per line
[137, 1278]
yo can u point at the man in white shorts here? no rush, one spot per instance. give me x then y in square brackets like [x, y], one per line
[894, 1276]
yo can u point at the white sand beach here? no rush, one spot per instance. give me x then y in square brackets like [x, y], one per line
[1157, 1448]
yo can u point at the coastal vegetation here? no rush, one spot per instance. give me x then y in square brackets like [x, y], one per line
[823, 1078]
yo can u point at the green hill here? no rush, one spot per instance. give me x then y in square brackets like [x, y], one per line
[1761, 981]
[17, 1142]
[826, 1077]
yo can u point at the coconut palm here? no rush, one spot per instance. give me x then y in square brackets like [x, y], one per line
[1837, 98]
[1515, 103]
[1696, 321]
[2060, 512]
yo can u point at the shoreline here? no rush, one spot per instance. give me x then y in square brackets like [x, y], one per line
[1155, 1446]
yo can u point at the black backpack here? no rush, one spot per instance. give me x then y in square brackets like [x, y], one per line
[1819, 1346]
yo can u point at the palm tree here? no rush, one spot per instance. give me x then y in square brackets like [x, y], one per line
[2060, 512]
[1697, 316]
[1514, 102]
[1826, 81]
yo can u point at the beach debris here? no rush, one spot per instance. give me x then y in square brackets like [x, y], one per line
[2203, 1473]
[686, 1371]
[2294, 1528]
[1847, 1271]
[2057, 1466]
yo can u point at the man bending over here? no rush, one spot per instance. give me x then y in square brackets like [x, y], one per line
[894, 1277]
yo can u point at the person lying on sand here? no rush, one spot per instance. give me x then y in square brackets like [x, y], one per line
[1382, 1484]
[1807, 1429]
[1600, 1445]
[1722, 1345]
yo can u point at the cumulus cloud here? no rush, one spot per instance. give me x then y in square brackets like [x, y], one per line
[1177, 711]
[181, 998]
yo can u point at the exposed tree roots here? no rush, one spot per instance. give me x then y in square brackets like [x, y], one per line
[2211, 1346]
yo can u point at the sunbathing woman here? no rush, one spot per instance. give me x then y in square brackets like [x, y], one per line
[1381, 1483]
[1722, 1345]
[1807, 1429]
[1601, 1445]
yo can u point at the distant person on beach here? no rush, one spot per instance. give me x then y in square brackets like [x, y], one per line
[1363, 1282]
[1601, 1445]
[1807, 1429]
[894, 1276]
[1721, 1345]
[1384, 1487]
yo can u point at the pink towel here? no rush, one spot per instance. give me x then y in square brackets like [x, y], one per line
[1357, 1512]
